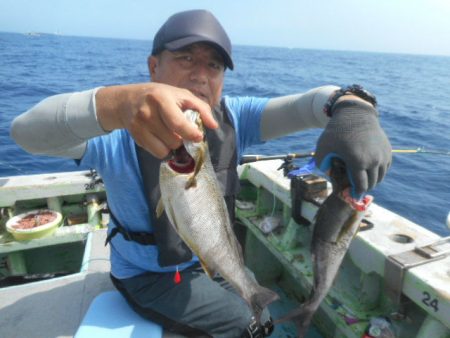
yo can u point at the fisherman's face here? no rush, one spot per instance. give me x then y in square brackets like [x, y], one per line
[197, 67]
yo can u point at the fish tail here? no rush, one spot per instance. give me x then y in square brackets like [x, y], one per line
[261, 299]
[302, 326]
[301, 317]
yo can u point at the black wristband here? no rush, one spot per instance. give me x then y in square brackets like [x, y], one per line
[355, 106]
[354, 89]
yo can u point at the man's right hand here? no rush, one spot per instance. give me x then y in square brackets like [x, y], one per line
[153, 114]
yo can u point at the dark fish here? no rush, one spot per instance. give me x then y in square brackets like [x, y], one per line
[337, 222]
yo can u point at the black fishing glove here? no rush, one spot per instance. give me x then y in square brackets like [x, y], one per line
[354, 135]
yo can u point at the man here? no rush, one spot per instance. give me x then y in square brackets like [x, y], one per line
[125, 131]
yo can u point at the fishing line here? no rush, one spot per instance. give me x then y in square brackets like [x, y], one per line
[93, 260]
[274, 199]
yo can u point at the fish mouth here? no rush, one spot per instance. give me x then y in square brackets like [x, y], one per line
[358, 205]
[181, 162]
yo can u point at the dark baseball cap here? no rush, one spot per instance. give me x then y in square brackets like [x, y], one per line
[185, 28]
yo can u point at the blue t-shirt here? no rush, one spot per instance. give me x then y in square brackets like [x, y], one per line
[115, 159]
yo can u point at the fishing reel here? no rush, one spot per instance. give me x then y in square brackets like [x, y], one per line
[288, 160]
[288, 165]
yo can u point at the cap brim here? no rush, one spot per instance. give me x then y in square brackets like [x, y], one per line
[181, 43]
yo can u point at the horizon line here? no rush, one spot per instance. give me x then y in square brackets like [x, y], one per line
[58, 33]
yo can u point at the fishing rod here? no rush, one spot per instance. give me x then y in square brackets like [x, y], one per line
[256, 158]
[421, 150]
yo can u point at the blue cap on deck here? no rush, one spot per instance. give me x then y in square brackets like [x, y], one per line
[185, 28]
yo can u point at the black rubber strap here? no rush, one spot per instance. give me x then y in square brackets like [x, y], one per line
[143, 238]
[354, 89]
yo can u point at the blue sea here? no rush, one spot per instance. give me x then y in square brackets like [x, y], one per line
[413, 93]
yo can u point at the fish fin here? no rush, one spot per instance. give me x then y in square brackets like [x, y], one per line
[200, 159]
[210, 272]
[300, 316]
[159, 208]
[192, 181]
[261, 299]
[302, 326]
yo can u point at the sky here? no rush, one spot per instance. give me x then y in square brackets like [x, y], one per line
[395, 26]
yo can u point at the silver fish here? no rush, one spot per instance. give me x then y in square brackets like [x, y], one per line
[194, 203]
[337, 222]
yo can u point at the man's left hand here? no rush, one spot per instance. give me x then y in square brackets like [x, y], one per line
[354, 135]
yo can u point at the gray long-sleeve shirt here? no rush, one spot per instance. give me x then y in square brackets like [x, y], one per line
[61, 125]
